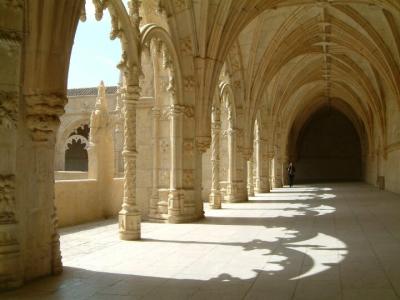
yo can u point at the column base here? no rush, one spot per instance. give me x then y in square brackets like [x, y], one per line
[234, 198]
[215, 200]
[278, 183]
[129, 225]
[250, 192]
[263, 191]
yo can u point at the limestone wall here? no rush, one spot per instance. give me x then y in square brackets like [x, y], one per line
[77, 201]
[392, 174]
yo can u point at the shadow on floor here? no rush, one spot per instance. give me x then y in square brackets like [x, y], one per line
[321, 249]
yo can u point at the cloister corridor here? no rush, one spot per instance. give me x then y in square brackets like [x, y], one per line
[323, 241]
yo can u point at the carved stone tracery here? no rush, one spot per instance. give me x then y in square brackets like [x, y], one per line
[8, 109]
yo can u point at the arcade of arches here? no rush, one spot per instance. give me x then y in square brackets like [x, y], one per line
[215, 99]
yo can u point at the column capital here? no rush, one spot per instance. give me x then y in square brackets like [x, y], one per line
[230, 131]
[176, 110]
[203, 143]
[156, 111]
[43, 113]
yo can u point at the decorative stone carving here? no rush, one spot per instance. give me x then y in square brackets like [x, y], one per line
[180, 5]
[188, 178]
[203, 143]
[175, 110]
[8, 109]
[15, 4]
[42, 114]
[237, 84]
[164, 146]
[186, 46]
[7, 199]
[166, 57]
[189, 112]
[215, 195]
[9, 246]
[164, 116]
[76, 138]
[188, 147]
[189, 83]
[11, 36]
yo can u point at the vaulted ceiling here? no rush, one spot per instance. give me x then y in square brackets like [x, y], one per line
[293, 53]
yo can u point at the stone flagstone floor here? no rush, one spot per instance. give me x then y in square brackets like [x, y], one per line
[325, 241]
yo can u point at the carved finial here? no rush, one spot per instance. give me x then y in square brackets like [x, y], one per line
[101, 102]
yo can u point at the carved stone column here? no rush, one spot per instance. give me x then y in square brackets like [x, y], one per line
[277, 169]
[10, 252]
[215, 195]
[271, 168]
[230, 188]
[42, 117]
[250, 184]
[129, 216]
[175, 197]
[257, 149]
[278, 172]
[156, 159]
[285, 165]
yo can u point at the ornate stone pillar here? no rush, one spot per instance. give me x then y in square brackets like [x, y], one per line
[42, 118]
[215, 195]
[156, 159]
[250, 184]
[202, 144]
[257, 149]
[129, 216]
[10, 252]
[230, 187]
[175, 197]
[118, 130]
[262, 184]
[278, 172]
[11, 272]
[285, 165]
[271, 158]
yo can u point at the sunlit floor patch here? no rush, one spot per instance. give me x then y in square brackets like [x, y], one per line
[324, 250]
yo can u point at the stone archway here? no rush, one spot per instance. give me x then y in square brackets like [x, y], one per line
[327, 148]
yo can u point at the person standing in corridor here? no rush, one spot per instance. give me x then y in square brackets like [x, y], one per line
[291, 172]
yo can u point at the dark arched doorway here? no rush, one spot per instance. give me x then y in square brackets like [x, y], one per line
[328, 148]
